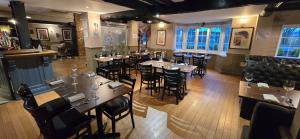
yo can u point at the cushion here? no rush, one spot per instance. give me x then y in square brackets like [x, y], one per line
[65, 123]
[56, 106]
[117, 105]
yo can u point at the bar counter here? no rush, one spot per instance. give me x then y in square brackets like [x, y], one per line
[25, 66]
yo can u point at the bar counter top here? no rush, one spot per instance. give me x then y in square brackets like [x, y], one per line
[28, 53]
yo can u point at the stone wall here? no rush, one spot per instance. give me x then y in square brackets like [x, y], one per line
[79, 33]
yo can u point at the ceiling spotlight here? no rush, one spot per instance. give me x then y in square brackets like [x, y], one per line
[87, 7]
[136, 17]
[149, 21]
[278, 4]
[157, 15]
[13, 21]
[28, 17]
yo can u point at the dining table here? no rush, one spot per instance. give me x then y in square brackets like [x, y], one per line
[251, 93]
[96, 91]
[111, 58]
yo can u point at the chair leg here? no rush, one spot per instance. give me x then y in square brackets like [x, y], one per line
[113, 127]
[163, 93]
[132, 120]
[151, 87]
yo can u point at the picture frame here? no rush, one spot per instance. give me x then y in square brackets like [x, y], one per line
[241, 38]
[67, 34]
[42, 34]
[161, 37]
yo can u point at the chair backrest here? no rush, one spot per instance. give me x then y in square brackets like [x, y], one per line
[179, 58]
[145, 69]
[126, 79]
[158, 55]
[172, 76]
[32, 107]
[198, 60]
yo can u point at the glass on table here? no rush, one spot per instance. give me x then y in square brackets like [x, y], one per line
[94, 87]
[248, 77]
[288, 86]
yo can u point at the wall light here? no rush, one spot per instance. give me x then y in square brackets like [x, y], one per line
[28, 17]
[243, 20]
[13, 21]
[161, 24]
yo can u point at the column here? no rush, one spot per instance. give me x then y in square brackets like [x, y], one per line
[19, 14]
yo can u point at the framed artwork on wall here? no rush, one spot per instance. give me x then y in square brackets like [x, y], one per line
[42, 34]
[67, 34]
[161, 37]
[241, 38]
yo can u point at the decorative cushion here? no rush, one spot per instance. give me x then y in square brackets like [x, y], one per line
[117, 105]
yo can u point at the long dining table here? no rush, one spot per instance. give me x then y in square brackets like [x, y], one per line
[103, 94]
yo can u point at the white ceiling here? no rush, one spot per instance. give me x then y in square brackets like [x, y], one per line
[95, 6]
[214, 15]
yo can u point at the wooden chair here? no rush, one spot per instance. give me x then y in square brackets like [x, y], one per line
[114, 109]
[60, 126]
[199, 61]
[173, 81]
[149, 77]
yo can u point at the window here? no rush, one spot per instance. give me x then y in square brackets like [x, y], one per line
[179, 38]
[190, 43]
[202, 37]
[214, 39]
[289, 43]
[227, 37]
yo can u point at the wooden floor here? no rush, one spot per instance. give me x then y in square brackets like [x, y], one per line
[210, 110]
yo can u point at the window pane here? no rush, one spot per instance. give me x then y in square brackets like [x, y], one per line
[202, 36]
[191, 38]
[227, 37]
[290, 42]
[179, 38]
[214, 38]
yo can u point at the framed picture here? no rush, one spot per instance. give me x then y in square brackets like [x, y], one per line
[161, 37]
[241, 38]
[42, 34]
[67, 34]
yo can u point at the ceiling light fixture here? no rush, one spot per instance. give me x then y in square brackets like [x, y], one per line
[87, 7]
[161, 24]
[149, 21]
[28, 17]
[278, 4]
[145, 2]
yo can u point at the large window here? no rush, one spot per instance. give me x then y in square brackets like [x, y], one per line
[179, 38]
[289, 43]
[202, 37]
[190, 43]
[227, 38]
[214, 40]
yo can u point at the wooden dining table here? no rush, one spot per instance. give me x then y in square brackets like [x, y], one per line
[111, 58]
[169, 65]
[250, 94]
[103, 93]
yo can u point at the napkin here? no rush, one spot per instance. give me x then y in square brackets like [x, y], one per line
[263, 85]
[270, 97]
[76, 97]
[114, 85]
[56, 82]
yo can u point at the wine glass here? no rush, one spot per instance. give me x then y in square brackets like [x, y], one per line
[248, 78]
[94, 87]
[74, 74]
[288, 86]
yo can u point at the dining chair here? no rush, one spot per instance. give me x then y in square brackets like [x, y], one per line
[179, 58]
[60, 126]
[115, 69]
[102, 68]
[199, 61]
[149, 78]
[131, 63]
[116, 108]
[173, 81]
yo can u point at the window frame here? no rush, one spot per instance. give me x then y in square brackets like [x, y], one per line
[280, 40]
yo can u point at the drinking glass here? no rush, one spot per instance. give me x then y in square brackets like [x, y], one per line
[94, 87]
[288, 86]
[248, 78]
